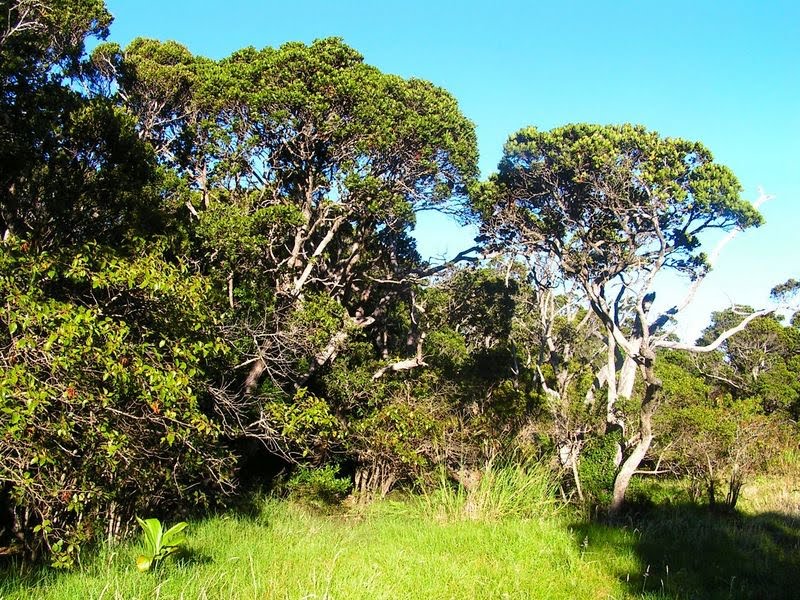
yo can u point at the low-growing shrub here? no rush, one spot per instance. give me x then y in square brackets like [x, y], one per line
[320, 488]
[597, 469]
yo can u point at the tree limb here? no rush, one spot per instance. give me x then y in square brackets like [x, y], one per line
[712, 259]
[461, 256]
[721, 338]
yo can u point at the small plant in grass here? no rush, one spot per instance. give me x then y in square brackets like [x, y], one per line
[159, 544]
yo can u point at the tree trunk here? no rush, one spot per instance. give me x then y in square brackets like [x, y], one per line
[712, 484]
[645, 436]
[734, 489]
[626, 471]
[576, 477]
[254, 376]
[627, 376]
[712, 493]
[371, 479]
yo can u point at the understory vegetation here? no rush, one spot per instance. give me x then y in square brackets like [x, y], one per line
[211, 298]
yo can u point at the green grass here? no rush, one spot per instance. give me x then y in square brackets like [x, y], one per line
[506, 540]
[518, 491]
[689, 552]
[387, 552]
[775, 493]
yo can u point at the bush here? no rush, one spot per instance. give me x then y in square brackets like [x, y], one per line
[101, 394]
[597, 469]
[719, 448]
[320, 488]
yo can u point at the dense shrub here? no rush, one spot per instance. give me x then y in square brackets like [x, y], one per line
[319, 488]
[102, 401]
[719, 448]
[597, 469]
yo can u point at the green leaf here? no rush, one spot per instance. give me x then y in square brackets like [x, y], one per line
[153, 532]
[173, 537]
[143, 563]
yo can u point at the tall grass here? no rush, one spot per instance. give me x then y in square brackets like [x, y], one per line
[506, 538]
[511, 491]
[777, 492]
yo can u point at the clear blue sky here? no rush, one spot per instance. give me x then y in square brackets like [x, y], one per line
[724, 73]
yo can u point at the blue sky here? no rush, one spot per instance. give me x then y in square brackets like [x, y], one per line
[724, 73]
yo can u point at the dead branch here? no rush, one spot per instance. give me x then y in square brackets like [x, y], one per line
[717, 342]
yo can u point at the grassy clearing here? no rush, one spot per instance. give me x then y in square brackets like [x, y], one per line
[507, 539]
[775, 493]
[387, 552]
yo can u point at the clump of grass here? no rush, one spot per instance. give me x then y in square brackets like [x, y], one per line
[779, 493]
[511, 491]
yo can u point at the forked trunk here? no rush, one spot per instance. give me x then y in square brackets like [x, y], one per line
[629, 467]
[645, 437]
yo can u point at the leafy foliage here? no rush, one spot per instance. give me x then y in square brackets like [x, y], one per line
[200, 257]
[319, 488]
[609, 198]
[159, 544]
[716, 439]
[597, 468]
[72, 168]
[762, 361]
[610, 207]
[102, 401]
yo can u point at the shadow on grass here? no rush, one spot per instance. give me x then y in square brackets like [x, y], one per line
[688, 551]
[190, 557]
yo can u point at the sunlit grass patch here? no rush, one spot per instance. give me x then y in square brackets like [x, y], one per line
[288, 552]
[499, 492]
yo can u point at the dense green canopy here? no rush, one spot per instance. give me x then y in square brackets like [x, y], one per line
[608, 199]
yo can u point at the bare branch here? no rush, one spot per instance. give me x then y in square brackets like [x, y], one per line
[402, 365]
[460, 257]
[548, 390]
[712, 259]
[300, 281]
[722, 337]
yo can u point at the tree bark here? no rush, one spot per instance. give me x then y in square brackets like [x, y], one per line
[645, 435]
[254, 376]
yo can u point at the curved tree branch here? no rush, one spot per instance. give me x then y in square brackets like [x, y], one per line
[717, 342]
